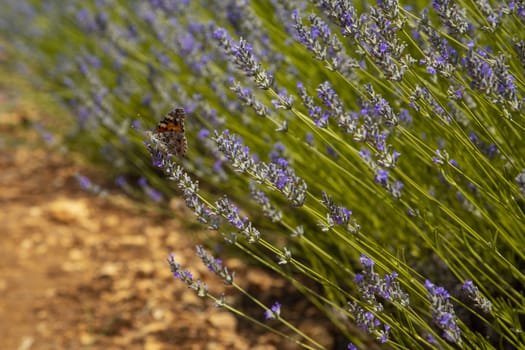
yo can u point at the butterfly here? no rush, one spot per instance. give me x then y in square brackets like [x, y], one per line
[170, 132]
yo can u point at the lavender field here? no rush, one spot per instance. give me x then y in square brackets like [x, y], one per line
[370, 154]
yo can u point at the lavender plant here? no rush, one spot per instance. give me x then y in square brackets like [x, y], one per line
[370, 154]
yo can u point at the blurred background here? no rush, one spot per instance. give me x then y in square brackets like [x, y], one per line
[86, 221]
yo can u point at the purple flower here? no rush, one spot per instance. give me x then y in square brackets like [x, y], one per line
[282, 178]
[136, 124]
[493, 78]
[475, 295]
[318, 115]
[189, 188]
[155, 195]
[242, 56]
[365, 261]
[142, 181]
[337, 215]
[187, 277]
[215, 265]
[284, 101]
[121, 181]
[203, 133]
[84, 182]
[429, 338]
[381, 177]
[309, 138]
[229, 211]
[274, 312]
[371, 286]
[451, 14]
[431, 70]
[260, 198]
[443, 312]
[367, 321]
[247, 98]
[220, 34]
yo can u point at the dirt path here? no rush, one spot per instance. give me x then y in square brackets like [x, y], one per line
[77, 272]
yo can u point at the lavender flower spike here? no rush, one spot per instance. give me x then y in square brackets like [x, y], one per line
[215, 265]
[241, 55]
[371, 286]
[281, 176]
[475, 295]
[187, 277]
[229, 211]
[443, 313]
